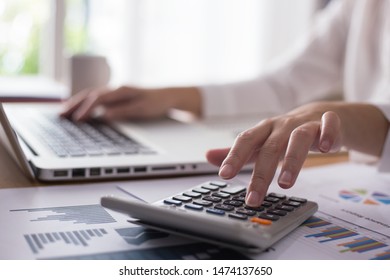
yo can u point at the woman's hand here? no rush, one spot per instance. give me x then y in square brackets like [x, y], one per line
[130, 103]
[322, 127]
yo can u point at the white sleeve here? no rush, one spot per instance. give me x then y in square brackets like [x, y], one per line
[384, 162]
[312, 70]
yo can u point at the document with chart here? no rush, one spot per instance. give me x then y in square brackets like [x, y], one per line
[67, 222]
[353, 220]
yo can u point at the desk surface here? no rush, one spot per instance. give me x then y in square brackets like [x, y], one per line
[12, 177]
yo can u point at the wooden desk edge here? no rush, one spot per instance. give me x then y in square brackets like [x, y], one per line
[14, 178]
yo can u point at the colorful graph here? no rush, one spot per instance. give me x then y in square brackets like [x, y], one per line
[383, 198]
[353, 242]
[332, 233]
[382, 256]
[361, 245]
[363, 196]
[314, 222]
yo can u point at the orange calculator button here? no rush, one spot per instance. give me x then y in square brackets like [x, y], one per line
[261, 221]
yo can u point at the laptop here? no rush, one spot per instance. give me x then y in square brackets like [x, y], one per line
[50, 148]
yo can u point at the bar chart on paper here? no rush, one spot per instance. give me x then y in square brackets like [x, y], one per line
[90, 232]
[39, 241]
[343, 240]
[65, 222]
[66, 228]
[327, 237]
[78, 214]
[137, 236]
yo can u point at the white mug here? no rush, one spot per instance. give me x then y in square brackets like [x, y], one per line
[88, 71]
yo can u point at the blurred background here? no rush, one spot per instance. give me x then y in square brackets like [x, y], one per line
[151, 42]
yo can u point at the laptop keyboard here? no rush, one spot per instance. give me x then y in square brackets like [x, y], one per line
[69, 139]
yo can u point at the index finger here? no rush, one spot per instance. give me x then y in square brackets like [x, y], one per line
[73, 103]
[243, 148]
[265, 167]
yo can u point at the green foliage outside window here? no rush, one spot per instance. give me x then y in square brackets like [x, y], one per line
[22, 26]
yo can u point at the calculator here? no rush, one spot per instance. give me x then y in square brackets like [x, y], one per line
[215, 212]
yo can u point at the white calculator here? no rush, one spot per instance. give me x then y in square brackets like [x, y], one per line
[215, 212]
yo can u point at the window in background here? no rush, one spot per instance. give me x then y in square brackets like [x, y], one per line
[150, 42]
[21, 26]
[31, 50]
[175, 42]
[76, 26]
[27, 34]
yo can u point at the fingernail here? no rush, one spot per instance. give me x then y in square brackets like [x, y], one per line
[285, 178]
[325, 146]
[226, 171]
[253, 199]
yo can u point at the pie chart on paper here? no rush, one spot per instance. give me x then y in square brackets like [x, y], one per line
[382, 198]
[365, 197]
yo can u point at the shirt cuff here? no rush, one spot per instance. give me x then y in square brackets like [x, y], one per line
[254, 97]
[217, 101]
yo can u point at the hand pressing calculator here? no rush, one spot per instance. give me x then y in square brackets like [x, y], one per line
[215, 212]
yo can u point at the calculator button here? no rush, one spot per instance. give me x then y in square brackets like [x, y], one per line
[193, 206]
[200, 190]
[261, 221]
[224, 207]
[238, 198]
[215, 211]
[210, 187]
[221, 195]
[238, 216]
[298, 199]
[258, 209]
[292, 203]
[234, 189]
[245, 212]
[277, 195]
[192, 194]
[266, 204]
[212, 198]
[272, 199]
[277, 212]
[172, 202]
[234, 203]
[182, 198]
[203, 203]
[219, 184]
[243, 194]
[285, 208]
[269, 217]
